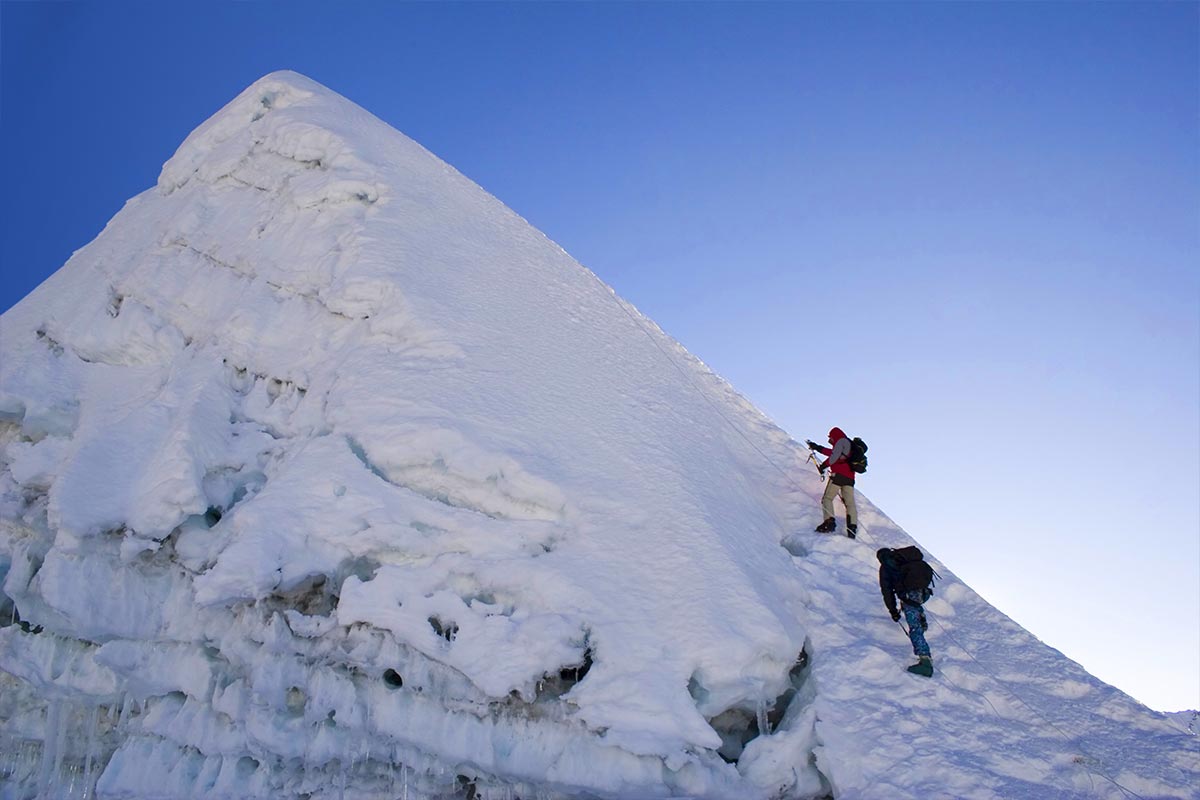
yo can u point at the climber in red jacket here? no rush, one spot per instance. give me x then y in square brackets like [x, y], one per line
[841, 480]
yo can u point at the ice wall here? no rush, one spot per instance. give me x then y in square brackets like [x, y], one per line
[321, 462]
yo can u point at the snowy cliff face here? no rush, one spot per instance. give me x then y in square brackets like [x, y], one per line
[324, 474]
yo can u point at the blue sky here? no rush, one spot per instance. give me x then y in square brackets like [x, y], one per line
[969, 233]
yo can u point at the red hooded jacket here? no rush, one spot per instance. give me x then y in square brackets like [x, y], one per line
[840, 465]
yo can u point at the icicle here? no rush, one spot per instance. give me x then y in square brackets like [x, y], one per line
[6, 753]
[764, 725]
[60, 745]
[366, 753]
[306, 767]
[391, 767]
[342, 767]
[18, 760]
[73, 773]
[53, 712]
[123, 716]
[93, 724]
[66, 785]
[351, 759]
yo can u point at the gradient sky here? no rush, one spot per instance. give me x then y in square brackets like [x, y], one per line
[969, 233]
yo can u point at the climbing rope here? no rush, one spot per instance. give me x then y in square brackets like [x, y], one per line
[1066, 737]
[1004, 686]
[866, 537]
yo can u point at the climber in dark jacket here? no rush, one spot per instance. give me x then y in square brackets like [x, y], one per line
[841, 481]
[892, 585]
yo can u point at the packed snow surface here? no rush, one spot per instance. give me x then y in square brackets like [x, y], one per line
[325, 475]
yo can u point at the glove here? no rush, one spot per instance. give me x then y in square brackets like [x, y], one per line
[895, 616]
[811, 444]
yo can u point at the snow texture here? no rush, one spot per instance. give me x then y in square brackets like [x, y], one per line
[325, 475]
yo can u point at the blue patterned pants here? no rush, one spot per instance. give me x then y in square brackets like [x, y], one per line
[915, 616]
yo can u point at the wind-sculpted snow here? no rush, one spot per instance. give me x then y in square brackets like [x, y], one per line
[325, 475]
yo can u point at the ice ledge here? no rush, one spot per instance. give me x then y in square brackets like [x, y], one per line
[276, 90]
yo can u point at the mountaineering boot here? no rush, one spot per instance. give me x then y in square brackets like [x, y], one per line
[827, 526]
[923, 667]
[851, 528]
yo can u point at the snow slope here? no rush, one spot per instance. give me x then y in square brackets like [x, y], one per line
[326, 475]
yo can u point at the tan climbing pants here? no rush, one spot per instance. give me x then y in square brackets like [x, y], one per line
[847, 492]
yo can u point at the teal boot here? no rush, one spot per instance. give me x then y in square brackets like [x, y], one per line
[923, 667]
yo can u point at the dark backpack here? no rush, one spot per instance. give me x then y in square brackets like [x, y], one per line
[858, 455]
[915, 573]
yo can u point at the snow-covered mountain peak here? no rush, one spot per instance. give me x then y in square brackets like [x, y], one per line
[323, 469]
[284, 132]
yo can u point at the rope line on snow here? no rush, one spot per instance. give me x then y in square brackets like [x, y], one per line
[986, 699]
[1004, 686]
[1066, 737]
[863, 535]
[964, 690]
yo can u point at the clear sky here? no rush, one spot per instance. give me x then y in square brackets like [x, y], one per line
[969, 233]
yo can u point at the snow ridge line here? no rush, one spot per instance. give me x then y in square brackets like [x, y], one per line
[791, 481]
[788, 480]
[624, 307]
